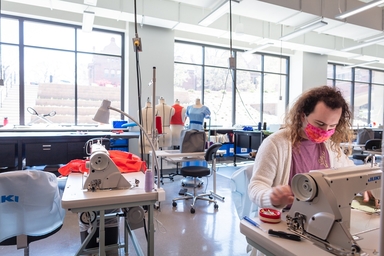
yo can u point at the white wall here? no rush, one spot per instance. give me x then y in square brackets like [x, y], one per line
[157, 51]
[308, 70]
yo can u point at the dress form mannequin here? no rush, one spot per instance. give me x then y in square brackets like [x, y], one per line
[166, 112]
[147, 118]
[196, 114]
[177, 122]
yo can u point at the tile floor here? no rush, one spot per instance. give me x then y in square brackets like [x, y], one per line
[208, 232]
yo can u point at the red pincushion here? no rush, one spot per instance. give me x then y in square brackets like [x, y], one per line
[269, 215]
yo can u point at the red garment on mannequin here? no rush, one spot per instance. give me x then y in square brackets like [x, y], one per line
[177, 118]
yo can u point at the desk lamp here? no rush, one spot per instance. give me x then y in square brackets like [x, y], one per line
[102, 116]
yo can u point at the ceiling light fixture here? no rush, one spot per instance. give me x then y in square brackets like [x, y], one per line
[360, 9]
[88, 18]
[216, 13]
[90, 2]
[366, 43]
[259, 48]
[362, 64]
[304, 29]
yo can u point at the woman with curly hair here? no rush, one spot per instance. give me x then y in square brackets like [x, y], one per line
[309, 140]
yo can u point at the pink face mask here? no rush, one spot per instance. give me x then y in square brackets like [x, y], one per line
[316, 134]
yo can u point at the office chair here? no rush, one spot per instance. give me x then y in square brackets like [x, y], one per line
[30, 207]
[198, 172]
[372, 144]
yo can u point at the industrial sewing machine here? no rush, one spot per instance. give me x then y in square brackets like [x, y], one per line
[321, 211]
[103, 172]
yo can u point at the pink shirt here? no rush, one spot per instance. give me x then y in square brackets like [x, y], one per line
[310, 156]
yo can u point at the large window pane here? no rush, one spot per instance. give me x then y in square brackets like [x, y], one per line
[377, 105]
[9, 93]
[346, 89]
[378, 77]
[361, 75]
[187, 83]
[274, 64]
[274, 100]
[248, 61]
[361, 105]
[99, 42]
[343, 73]
[188, 53]
[218, 95]
[49, 85]
[216, 57]
[99, 78]
[330, 72]
[248, 98]
[47, 35]
[9, 31]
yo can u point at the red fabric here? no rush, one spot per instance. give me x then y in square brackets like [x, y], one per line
[159, 126]
[177, 118]
[125, 162]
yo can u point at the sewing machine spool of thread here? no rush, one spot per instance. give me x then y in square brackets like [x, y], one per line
[148, 181]
[269, 215]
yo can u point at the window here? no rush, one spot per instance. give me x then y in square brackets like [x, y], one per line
[363, 89]
[259, 95]
[64, 70]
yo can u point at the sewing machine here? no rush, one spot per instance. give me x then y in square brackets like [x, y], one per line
[321, 211]
[103, 172]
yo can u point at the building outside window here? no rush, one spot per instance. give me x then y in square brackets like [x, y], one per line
[363, 88]
[61, 69]
[255, 91]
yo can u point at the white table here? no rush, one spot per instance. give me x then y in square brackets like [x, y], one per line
[353, 145]
[76, 199]
[365, 225]
[175, 156]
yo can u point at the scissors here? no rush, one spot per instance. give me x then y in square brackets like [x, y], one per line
[33, 112]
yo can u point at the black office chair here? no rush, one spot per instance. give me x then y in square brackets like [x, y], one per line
[373, 144]
[30, 207]
[198, 172]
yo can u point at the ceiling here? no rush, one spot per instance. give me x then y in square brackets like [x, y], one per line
[253, 23]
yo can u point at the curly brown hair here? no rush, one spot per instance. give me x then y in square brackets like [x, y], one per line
[306, 103]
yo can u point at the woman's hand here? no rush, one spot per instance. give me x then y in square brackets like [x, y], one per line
[281, 196]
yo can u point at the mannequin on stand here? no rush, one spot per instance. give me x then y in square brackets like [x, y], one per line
[165, 112]
[147, 118]
[177, 123]
[196, 114]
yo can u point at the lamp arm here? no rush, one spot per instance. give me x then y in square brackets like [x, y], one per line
[148, 138]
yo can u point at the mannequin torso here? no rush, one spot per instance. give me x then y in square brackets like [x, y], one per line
[196, 114]
[177, 123]
[166, 112]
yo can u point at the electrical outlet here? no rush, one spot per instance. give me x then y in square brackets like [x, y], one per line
[137, 44]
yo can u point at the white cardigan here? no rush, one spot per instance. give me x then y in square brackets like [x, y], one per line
[273, 165]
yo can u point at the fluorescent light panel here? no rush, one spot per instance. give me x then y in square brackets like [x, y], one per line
[216, 14]
[362, 64]
[304, 29]
[88, 18]
[90, 2]
[367, 43]
[259, 48]
[360, 9]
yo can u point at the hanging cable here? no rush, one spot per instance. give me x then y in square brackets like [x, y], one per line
[138, 48]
